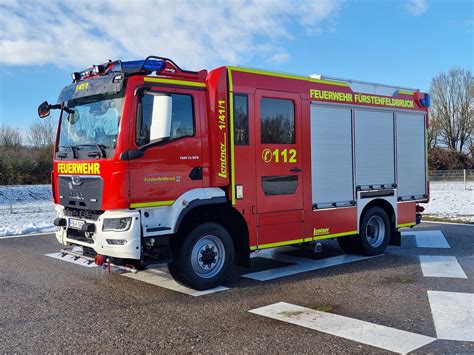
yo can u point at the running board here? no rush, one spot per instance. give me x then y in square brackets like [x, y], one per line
[65, 252]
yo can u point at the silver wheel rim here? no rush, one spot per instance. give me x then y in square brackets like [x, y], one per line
[208, 256]
[375, 231]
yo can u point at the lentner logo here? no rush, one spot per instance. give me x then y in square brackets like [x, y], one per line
[320, 231]
[222, 172]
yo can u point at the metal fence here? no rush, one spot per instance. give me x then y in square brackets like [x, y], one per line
[15, 207]
[465, 176]
[452, 175]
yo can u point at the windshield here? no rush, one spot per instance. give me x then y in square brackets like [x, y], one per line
[93, 123]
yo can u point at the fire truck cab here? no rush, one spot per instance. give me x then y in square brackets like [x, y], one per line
[154, 163]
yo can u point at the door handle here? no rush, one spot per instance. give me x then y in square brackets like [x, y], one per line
[295, 170]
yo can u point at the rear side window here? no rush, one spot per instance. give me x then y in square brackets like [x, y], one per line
[182, 118]
[277, 121]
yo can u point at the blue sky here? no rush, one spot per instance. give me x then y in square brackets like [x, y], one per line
[401, 42]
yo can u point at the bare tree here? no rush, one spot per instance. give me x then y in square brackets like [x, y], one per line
[452, 109]
[433, 131]
[41, 134]
[9, 137]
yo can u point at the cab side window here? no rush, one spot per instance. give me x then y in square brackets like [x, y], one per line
[182, 117]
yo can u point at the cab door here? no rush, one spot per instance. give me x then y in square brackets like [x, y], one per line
[278, 168]
[168, 167]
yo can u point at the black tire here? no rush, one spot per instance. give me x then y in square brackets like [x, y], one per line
[350, 244]
[174, 270]
[374, 236]
[205, 256]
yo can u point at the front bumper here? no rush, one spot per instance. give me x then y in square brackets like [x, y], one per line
[97, 240]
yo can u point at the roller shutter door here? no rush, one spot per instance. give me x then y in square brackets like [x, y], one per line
[411, 159]
[331, 156]
[374, 147]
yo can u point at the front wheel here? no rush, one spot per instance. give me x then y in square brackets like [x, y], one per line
[206, 256]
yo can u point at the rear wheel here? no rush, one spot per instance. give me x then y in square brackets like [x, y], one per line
[205, 257]
[374, 234]
[374, 231]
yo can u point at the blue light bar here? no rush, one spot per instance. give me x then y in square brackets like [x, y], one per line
[148, 65]
[425, 102]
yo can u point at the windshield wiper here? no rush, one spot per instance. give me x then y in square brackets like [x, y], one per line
[100, 151]
[64, 154]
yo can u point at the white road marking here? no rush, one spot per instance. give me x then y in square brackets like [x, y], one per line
[300, 265]
[450, 223]
[453, 315]
[441, 266]
[72, 259]
[380, 336]
[429, 239]
[160, 276]
[27, 235]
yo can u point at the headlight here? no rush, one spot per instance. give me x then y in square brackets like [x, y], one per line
[117, 224]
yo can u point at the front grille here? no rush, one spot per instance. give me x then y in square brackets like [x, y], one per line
[82, 214]
[86, 251]
[80, 192]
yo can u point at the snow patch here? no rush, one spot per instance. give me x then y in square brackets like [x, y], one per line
[26, 209]
[449, 199]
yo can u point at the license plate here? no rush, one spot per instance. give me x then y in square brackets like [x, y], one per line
[76, 223]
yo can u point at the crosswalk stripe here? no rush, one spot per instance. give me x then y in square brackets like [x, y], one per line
[300, 265]
[160, 276]
[441, 266]
[380, 336]
[429, 239]
[453, 315]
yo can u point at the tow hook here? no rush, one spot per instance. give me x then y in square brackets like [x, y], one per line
[99, 260]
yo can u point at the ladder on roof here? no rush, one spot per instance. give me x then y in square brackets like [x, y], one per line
[367, 87]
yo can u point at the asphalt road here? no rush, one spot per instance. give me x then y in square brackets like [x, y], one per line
[48, 305]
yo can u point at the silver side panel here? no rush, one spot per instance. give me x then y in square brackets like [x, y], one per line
[331, 156]
[411, 159]
[374, 148]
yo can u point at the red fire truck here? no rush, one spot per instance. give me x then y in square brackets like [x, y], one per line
[199, 169]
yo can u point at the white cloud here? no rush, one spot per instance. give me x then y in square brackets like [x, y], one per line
[193, 33]
[416, 7]
[280, 57]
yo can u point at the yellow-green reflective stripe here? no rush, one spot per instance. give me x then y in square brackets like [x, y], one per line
[278, 244]
[174, 82]
[296, 241]
[335, 235]
[406, 225]
[405, 92]
[151, 204]
[288, 76]
[330, 82]
[231, 127]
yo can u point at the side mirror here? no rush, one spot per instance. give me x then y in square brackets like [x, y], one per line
[44, 109]
[160, 128]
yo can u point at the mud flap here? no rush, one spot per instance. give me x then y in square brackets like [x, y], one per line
[395, 239]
